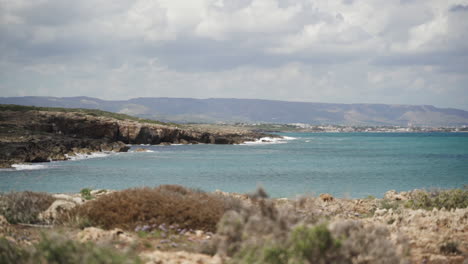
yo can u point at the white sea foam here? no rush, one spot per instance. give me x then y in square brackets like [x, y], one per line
[146, 150]
[29, 166]
[269, 140]
[81, 156]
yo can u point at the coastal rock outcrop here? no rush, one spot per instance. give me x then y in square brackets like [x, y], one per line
[55, 209]
[42, 136]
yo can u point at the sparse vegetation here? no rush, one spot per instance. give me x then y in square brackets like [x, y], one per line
[264, 233]
[58, 250]
[448, 199]
[389, 204]
[24, 207]
[168, 204]
[90, 112]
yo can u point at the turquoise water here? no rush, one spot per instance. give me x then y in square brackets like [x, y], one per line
[343, 164]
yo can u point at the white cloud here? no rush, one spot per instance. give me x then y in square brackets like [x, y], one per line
[336, 51]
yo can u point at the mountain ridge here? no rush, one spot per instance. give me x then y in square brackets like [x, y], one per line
[231, 110]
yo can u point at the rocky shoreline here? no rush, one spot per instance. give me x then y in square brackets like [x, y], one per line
[386, 230]
[42, 136]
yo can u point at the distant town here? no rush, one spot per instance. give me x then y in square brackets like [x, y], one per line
[301, 127]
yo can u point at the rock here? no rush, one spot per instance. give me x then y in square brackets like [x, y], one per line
[326, 197]
[100, 192]
[56, 135]
[380, 212]
[180, 257]
[199, 233]
[62, 196]
[66, 197]
[99, 235]
[4, 226]
[394, 196]
[140, 150]
[53, 212]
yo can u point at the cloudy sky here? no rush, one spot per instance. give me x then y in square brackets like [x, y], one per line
[337, 51]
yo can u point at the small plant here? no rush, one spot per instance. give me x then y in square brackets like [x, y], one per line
[24, 207]
[450, 248]
[389, 204]
[86, 194]
[448, 199]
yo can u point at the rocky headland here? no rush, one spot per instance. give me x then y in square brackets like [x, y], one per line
[31, 134]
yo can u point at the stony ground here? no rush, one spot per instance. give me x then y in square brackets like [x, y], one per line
[431, 236]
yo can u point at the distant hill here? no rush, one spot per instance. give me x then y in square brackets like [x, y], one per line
[253, 110]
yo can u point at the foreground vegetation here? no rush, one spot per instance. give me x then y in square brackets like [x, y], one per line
[136, 225]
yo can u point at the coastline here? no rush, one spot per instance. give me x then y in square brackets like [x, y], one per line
[29, 136]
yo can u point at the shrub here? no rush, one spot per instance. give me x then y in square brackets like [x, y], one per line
[450, 199]
[264, 233]
[450, 248]
[86, 194]
[10, 253]
[389, 204]
[314, 244]
[24, 207]
[168, 204]
[57, 250]
[361, 244]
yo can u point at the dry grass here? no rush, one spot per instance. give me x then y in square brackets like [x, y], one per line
[24, 207]
[168, 204]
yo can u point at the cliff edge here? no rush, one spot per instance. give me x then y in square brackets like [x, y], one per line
[33, 134]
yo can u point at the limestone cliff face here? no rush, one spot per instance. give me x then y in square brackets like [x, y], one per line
[38, 136]
[129, 132]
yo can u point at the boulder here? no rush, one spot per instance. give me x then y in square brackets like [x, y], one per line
[99, 235]
[326, 197]
[180, 257]
[4, 225]
[70, 198]
[141, 150]
[57, 208]
[394, 196]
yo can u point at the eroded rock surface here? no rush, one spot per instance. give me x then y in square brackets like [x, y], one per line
[42, 136]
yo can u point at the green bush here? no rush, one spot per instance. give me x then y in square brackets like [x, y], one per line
[389, 204]
[315, 244]
[266, 233]
[10, 253]
[86, 193]
[448, 199]
[57, 250]
[305, 245]
[24, 207]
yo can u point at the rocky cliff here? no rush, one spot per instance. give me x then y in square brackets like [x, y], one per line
[38, 136]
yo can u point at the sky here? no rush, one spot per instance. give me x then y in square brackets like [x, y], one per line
[336, 51]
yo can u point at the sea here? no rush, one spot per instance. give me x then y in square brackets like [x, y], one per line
[348, 165]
